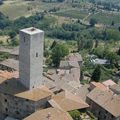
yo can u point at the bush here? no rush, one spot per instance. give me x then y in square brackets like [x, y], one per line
[14, 42]
[93, 22]
[75, 114]
[12, 34]
[4, 56]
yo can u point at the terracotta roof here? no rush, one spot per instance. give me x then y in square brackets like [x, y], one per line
[68, 64]
[74, 64]
[54, 104]
[74, 57]
[82, 91]
[115, 88]
[73, 75]
[108, 83]
[98, 85]
[62, 71]
[2, 79]
[8, 75]
[12, 51]
[3, 49]
[67, 87]
[49, 83]
[14, 87]
[14, 64]
[15, 51]
[75, 72]
[52, 113]
[64, 64]
[74, 84]
[68, 101]
[106, 100]
[35, 94]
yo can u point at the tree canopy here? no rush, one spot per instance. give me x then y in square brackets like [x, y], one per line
[96, 74]
[59, 52]
[93, 22]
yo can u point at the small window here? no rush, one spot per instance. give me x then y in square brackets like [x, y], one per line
[6, 109]
[17, 112]
[36, 54]
[27, 100]
[104, 117]
[27, 106]
[5, 100]
[16, 103]
[6, 83]
[112, 116]
[24, 39]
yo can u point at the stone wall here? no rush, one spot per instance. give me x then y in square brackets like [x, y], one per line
[2, 116]
[118, 118]
[18, 107]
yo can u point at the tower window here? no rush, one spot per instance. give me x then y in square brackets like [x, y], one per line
[36, 54]
[24, 39]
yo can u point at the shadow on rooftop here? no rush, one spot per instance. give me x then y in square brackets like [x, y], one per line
[12, 86]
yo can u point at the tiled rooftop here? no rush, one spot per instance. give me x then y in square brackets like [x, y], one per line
[35, 94]
[108, 83]
[106, 100]
[14, 87]
[68, 101]
[49, 114]
[12, 63]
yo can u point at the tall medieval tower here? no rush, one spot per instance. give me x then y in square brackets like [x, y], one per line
[31, 57]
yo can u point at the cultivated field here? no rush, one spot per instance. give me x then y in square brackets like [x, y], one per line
[17, 8]
[73, 14]
[106, 18]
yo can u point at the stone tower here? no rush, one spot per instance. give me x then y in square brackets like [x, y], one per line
[31, 57]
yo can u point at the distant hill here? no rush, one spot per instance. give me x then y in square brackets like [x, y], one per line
[108, 4]
[115, 2]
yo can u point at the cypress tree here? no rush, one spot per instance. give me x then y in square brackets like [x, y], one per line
[96, 74]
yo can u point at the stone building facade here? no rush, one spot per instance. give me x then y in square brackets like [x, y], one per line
[104, 104]
[20, 108]
[99, 112]
[21, 97]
